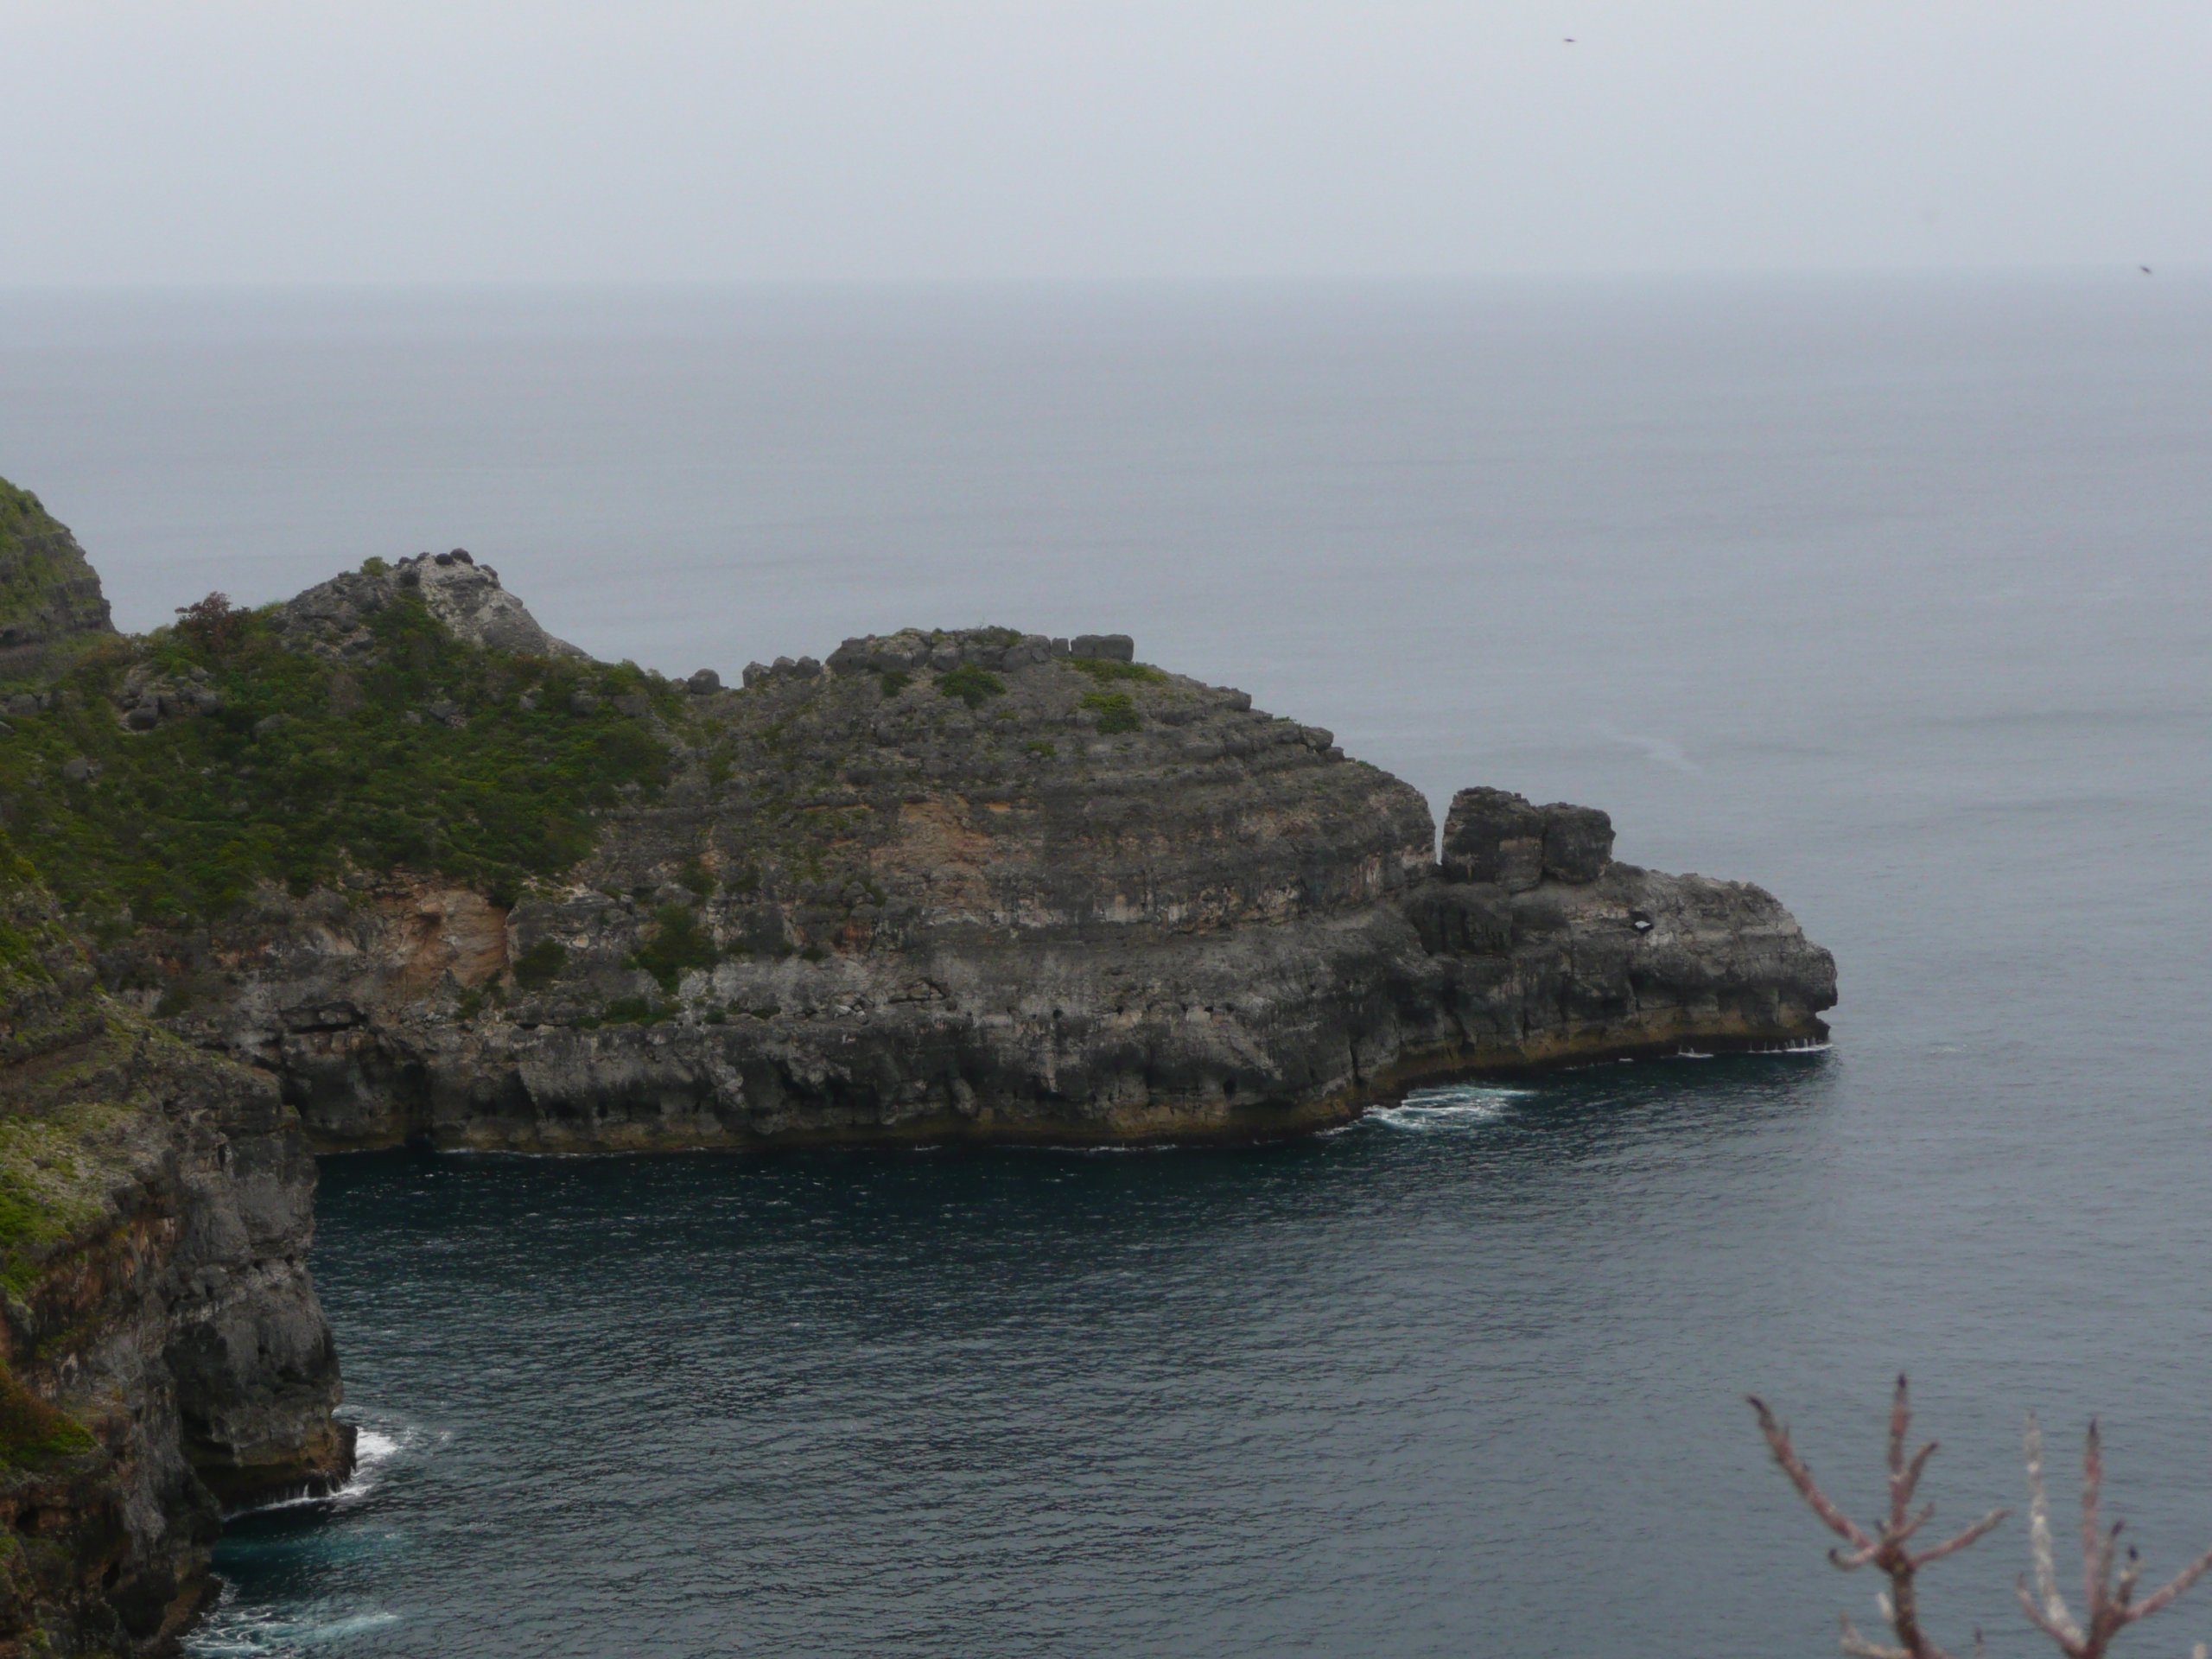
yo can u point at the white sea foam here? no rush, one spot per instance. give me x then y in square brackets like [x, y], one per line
[1446, 1109]
[373, 1449]
[338, 1630]
[239, 1633]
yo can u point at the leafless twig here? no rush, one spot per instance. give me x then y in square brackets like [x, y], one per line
[2108, 1596]
[1884, 1548]
[2109, 1579]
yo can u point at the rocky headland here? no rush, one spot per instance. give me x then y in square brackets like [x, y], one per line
[387, 863]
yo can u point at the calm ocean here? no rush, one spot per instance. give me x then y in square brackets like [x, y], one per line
[1894, 596]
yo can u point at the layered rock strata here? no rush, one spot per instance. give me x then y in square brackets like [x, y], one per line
[969, 884]
[989, 885]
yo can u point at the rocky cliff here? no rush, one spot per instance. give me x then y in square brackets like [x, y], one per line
[390, 863]
[163, 1355]
[448, 880]
[980, 885]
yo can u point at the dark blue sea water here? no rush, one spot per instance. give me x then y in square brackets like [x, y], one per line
[1891, 595]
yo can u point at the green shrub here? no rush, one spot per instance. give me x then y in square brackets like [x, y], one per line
[1044, 748]
[678, 945]
[972, 685]
[894, 681]
[181, 821]
[213, 623]
[1104, 669]
[1115, 712]
[32, 1433]
[540, 965]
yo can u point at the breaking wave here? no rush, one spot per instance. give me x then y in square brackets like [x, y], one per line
[1453, 1107]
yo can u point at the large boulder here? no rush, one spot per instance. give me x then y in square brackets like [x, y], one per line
[1578, 843]
[1495, 836]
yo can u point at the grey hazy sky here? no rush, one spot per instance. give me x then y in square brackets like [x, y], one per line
[284, 140]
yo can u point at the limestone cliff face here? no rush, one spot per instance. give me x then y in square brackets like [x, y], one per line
[165, 1357]
[50, 595]
[976, 884]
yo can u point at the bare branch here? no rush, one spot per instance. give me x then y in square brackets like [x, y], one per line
[2061, 1631]
[1974, 1534]
[2124, 1592]
[2112, 1604]
[2055, 1619]
[1777, 1441]
[2092, 1480]
[1917, 1467]
[1885, 1550]
[2163, 1597]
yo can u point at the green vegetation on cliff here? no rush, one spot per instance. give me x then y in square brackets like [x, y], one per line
[49, 597]
[1107, 669]
[34, 1435]
[677, 943]
[972, 685]
[28, 570]
[268, 763]
[56, 1132]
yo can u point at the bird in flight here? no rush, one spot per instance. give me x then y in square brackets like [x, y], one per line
[1570, 39]
[2145, 269]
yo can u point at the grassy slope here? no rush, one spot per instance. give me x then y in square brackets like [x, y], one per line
[35, 554]
[307, 769]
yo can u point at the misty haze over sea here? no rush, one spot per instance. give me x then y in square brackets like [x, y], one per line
[1890, 594]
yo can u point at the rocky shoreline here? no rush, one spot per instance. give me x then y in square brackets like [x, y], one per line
[388, 864]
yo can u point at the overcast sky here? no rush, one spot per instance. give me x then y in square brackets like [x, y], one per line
[681, 140]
